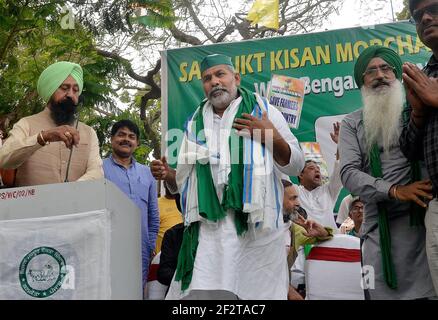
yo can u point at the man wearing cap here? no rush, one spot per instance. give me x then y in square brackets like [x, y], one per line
[374, 168]
[39, 146]
[418, 139]
[231, 192]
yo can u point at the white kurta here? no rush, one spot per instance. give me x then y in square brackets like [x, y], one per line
[253, 266]
[320, 202]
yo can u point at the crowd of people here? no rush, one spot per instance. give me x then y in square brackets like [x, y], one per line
[231, 224]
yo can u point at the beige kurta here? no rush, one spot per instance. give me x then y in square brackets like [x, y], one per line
[38, 164]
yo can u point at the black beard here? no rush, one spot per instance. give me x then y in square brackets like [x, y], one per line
[63, 112]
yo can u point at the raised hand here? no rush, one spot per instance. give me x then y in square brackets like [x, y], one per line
[160, 168]
[335, 134]
[425, 88]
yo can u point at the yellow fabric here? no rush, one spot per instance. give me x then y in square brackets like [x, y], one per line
[169, 216]
[264, 13]
[300, 239]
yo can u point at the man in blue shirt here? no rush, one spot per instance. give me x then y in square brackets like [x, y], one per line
[137, 182]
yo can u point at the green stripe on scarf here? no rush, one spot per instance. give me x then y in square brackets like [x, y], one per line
[417, 213]
[187, 254]
[209, 206]
[416, 217]
[233, 193]
[307, 249]
[383, 221]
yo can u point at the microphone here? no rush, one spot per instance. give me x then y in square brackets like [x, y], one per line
[80, 103]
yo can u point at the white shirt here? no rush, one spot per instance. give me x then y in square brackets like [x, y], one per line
[344, 209]
[320, 202]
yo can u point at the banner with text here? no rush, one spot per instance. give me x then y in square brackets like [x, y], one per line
[324, 61]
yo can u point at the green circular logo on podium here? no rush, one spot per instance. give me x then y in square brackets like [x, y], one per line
[42, 272]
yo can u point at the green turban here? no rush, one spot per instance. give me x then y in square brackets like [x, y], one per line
[54, 75]
[389, 55]
[214, 60]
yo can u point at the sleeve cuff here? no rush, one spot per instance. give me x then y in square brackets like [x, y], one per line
[383, 187]
[296, 161]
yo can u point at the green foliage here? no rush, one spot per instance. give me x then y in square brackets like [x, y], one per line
[103, 125]
[31, 38]
[20, 26]
[404, 14]
[118, 15]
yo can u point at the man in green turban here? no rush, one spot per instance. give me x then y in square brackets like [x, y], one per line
[39, 146]
[391, 58]
[230, 185]
[374, 168]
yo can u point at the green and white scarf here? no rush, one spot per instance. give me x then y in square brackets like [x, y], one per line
[199, 197]
[416, 217]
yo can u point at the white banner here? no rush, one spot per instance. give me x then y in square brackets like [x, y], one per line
[60, 257]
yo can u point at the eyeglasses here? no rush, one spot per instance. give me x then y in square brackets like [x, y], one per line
[418, 14]
[356, 209]
[385, 68]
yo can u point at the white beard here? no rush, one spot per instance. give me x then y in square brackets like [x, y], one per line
[382, 111]
[223, 100]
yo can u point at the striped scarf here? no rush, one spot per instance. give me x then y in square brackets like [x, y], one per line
[209, 206]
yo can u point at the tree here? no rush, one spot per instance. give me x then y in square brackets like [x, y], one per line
[31, 38]
[108, 33]
[405, 13]
[218, 25]
[199, 22]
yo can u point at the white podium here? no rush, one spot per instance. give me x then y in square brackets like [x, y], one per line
[68, 201]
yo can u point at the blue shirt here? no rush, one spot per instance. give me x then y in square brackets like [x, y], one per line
[139, 185]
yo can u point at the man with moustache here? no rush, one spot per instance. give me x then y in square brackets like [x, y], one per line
[316, 198]
[137, 182]
[418, 139]
[39, 146]
[302, 231]
[374, 168]
[233, 153]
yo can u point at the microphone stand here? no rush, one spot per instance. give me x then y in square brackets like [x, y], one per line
[71, 150]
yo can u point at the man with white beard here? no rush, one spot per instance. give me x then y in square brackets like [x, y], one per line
[374, 168]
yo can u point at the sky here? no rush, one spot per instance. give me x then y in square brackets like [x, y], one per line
[354, 14]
